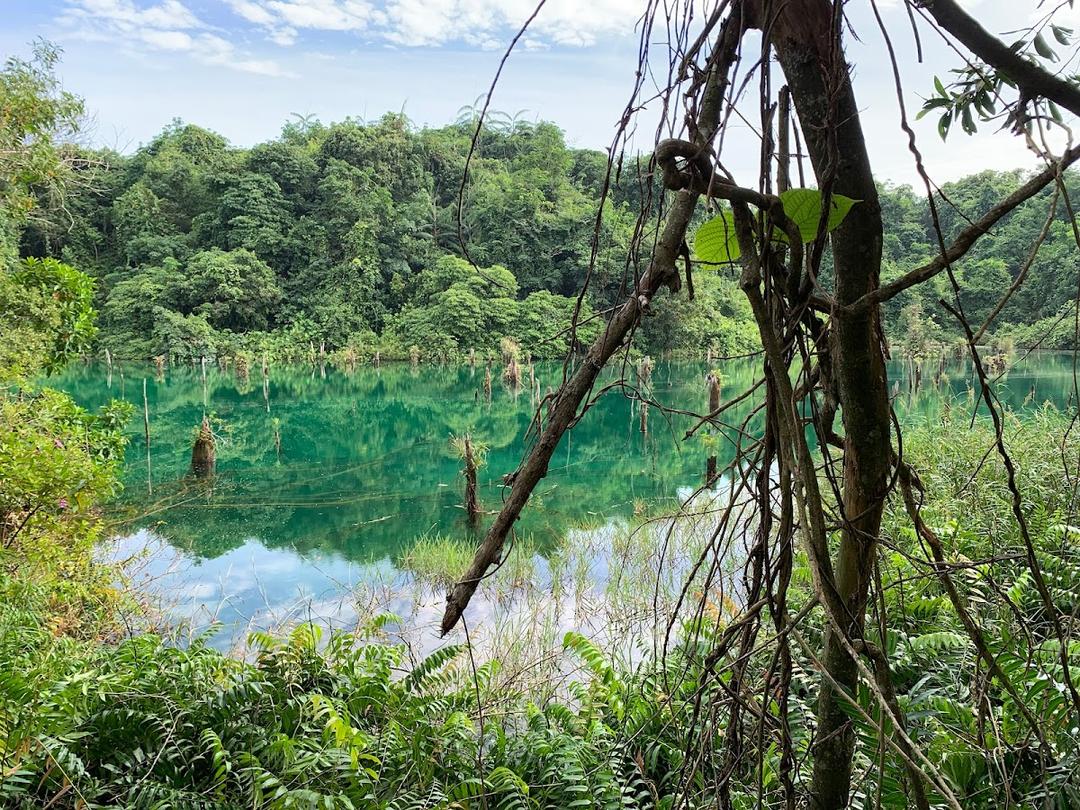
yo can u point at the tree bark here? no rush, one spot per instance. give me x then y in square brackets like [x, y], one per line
[806, 37]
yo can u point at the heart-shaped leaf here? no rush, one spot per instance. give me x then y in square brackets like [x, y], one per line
[715, 241]
[803, 207]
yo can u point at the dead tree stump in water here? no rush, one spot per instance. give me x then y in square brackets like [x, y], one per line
[472, 501]
[487, 383]
[512, 375]
[644, 374]
[204, 453]
[713, 383]
[243, 370]
[511, 353]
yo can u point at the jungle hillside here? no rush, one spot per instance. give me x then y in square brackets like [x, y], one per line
[697, 488]
[364, 235]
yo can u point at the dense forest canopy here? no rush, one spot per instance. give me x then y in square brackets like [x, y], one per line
[347, 234]
[900, 622]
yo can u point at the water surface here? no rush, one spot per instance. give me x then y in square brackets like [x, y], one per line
[325, 478]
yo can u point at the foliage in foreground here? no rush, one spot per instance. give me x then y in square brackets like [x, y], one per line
[340, 725]
[348, 722]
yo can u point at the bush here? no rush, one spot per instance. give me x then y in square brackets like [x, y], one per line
[47, 306]
[57, 463]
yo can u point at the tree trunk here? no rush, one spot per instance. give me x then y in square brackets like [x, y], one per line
[805, 35]
[203, 452]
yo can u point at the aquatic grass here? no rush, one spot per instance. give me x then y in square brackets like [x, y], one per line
[438, 559]
[519, 565]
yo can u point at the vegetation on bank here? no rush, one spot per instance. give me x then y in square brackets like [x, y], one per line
[348, 721]
[345, 236]
[94, 716]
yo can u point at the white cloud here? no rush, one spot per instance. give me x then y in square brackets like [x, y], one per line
[326, 15]
[414, 23]
[168, 40]
[167, 25]
[125, 16]
[213, 50]
[252, 12]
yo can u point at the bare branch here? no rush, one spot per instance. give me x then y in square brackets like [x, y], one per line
[967, 237]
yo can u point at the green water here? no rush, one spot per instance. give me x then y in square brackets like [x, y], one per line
[365, 465]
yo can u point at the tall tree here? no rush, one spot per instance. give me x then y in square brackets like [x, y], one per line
[819, 317]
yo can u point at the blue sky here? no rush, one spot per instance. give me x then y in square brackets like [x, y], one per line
[241, 67]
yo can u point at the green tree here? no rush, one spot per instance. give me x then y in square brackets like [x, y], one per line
[36, 116]
[233, 289]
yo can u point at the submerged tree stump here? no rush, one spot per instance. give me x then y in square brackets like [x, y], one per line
[713, 383]
[644, 374]
[472, 501]
[511, 353]
[512, 375]
[204, 453]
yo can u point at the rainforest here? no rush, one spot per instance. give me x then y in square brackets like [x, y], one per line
[383, 465]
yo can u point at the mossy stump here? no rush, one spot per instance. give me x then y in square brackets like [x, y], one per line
[204, 452]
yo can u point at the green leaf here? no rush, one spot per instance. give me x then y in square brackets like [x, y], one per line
[943, 125]
[803, 207]
[967, 122]
[715, 241]
[940, 87]
[1061, 34]
[1044, 50]
[932, 104]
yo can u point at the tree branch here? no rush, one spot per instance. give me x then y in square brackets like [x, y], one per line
[967, 237]
[661, 271]
[1031, 80]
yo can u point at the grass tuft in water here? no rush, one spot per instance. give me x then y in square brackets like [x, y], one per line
[439, 559]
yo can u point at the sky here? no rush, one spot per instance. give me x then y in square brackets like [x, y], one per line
[245, 67]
